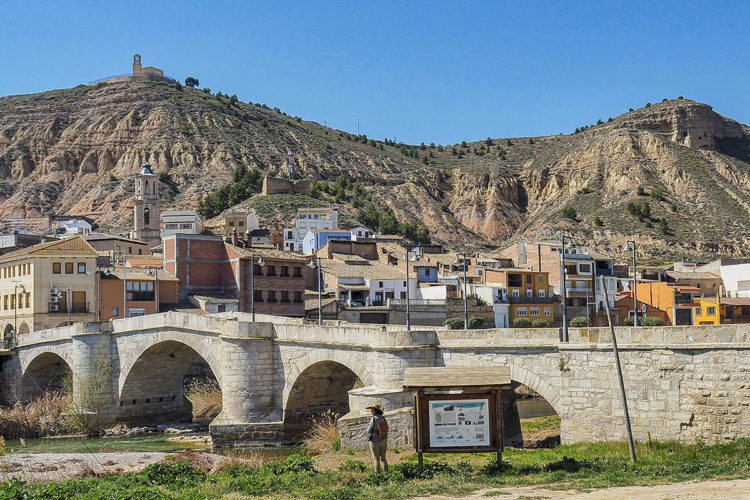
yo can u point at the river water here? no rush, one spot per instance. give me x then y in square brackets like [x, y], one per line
[534, 407]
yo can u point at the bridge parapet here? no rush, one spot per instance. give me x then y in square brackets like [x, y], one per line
[61, 333]
[664, 335]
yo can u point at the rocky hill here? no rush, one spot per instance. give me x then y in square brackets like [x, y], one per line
[75, 151]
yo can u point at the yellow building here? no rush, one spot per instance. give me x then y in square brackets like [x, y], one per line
[528, 292]
[708, 312]
[47, 285]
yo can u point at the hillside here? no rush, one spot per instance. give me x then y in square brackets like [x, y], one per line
[75, 151]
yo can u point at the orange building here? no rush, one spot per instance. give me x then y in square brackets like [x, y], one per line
[528, 292]
[679, 302]
[138, 288]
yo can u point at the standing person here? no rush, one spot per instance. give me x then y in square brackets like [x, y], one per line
[377, 435]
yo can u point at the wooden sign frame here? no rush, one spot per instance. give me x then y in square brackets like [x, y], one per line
[422, 421]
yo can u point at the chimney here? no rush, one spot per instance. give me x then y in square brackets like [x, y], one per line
[234, 236]
[248, 239]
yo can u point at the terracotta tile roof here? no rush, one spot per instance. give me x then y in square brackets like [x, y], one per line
[268, 253]
[374, 270]
[735, 301]
[695, 275]
[137, 273]
[68, 246]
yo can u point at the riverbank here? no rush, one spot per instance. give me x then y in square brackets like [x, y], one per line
[348, 474]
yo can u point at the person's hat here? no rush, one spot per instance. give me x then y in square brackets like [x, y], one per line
[375, 407]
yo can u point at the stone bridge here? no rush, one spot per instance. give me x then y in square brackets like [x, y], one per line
[683, 383]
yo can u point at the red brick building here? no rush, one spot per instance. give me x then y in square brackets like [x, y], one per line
[207, 265]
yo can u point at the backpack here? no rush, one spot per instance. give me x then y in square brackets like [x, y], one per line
[382, 426]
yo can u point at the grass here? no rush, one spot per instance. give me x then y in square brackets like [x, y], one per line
[324, 435]
[149, 442]
[40, 417]
[550, 423]
[581, 466]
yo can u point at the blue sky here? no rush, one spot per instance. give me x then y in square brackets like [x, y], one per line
[418, 71]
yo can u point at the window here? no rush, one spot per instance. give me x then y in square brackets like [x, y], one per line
[297, 272]
[521, 311]
[285, 271]
[81, 268]
[404, 285]
[529, 293]
[136, 311]
[271, 271]
[12, 301]
[514, 280]
[231, 223]
[534, 311]
[542, 293]
[28, 299]
[271, 295]
[297, 297]
[710, 311]
[186, 226]
[115, 311]
[68, 268]
[541, 278]
[289, 235]
[258, 296]
[698, 311]
[528, 279]
[56, 268]
[5, 302]
[284, 296]
[547, 311]
[241, 224]
[515, 293]
[584, 268]
[380, 284]
[79, 302]
[130, 250]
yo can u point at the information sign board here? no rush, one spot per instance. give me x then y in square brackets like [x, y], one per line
[459, 422]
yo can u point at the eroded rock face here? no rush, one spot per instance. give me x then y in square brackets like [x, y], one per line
[76, 150]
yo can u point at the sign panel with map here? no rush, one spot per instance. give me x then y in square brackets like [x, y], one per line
[459, 423]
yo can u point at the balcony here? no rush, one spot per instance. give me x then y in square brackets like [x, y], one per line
[533, 300]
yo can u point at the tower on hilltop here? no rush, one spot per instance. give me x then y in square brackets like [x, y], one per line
[146, 207]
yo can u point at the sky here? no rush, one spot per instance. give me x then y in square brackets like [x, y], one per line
[432, 71]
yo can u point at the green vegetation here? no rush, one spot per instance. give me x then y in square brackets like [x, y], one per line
[146, 442]
[191, 82]
[550, 423]
[476, 322]
[580, 322]
[570, 213]
[598, 222]
[245, 183]
[539, 323]
[581, 466]
[454, 323]
[647, 321]
[521, 323]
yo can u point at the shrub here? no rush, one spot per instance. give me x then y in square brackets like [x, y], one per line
[410, 470]
[464, 468]
[495, 467]
[640, 191]
[476, 322]
[629, 321]
[539, 323]
[173, 476]
[112, 178]
[652, 321]
[580, 322]
[598, 221]
[570, 213]
[521, 323]
[164, 176]
[298, 463]
[40, 417]
[353, 466]
[191, 82]
[454, 323]
[324, 435]
[568, 465]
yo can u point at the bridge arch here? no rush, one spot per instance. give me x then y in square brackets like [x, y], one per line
[536, 383]
[319, 386]
[47, 371]
[151, 384]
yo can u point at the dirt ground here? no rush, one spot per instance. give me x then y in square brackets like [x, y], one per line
[736, 489]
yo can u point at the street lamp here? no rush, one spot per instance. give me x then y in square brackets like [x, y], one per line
[466, 307]
[565, 246]
[252, 284]
[630, 247]
[315, 264]
[415, 258]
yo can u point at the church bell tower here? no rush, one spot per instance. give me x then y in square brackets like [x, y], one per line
[147, 214]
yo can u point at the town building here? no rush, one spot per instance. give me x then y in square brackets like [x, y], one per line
[116, 247]
[126, 292]
[624, 309]
[360, 232]
[17, 240]
[260, 237]
[207, 266]
[528, 293]
[239, 221]
[678, 302]
[708, 311]
[736, 280]
[309, 219]
[181, 222]
[48, 285]
[146, 207]
[316, 239]
[357, 281]
[70, 224]
[708, 283]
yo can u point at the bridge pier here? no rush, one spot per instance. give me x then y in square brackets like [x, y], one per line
[249, 412]
[92, 365]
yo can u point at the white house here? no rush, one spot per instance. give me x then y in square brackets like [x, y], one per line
[181, 222]
[309, 219]
[360, 232]
[736, 280]
[75, 226]
[359, 282]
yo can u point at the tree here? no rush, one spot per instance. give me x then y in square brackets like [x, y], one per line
[569, 213]
[191, 82]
